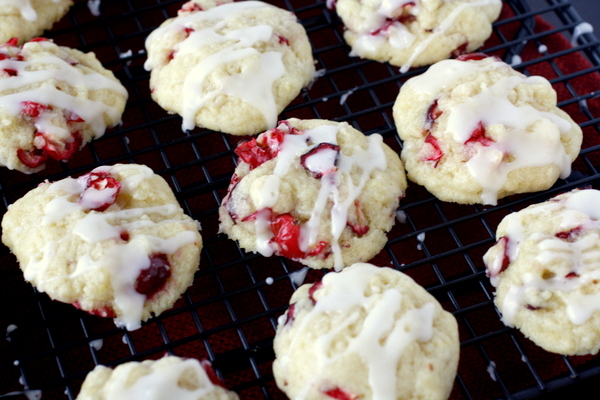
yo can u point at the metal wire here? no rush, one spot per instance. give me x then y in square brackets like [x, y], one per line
[229, 314]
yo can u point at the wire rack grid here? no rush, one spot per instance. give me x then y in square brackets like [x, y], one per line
[229, 314]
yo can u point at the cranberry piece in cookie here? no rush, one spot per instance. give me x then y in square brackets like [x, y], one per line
[101, 191]
[152, 279]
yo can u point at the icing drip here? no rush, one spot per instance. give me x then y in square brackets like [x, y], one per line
[161, 383]
[253, 85]
[574, 262]
[291, 149]
[124, 260]
[24, 6]
[379, 339]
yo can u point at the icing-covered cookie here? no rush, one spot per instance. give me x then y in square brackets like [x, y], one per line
[169, 378]
[53, 100]
[475, 130]
[113, 242]
[232, 67]
[412, 33]
[365, 333]
[316, 191]
[25, 19]
[546, 270]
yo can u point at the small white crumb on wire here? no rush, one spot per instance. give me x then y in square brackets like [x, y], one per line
[94, 6]
[345, 96]
[269, 281]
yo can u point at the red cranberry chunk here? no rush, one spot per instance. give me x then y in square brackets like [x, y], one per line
[39, 39]
[311, 292]
[472, 57]
[104, 312]
[101, 191]
[569, 235]
[434, 153]
[433, 112]
[572, 275]
[289, 316]
[12, 42]
[10, 72]
[262, 149]
[286, 230]
[339, 394]
[283, 40]
[478, 136]
[59, 150]
[460, 50]
[502, 261]
[190, 6]
[32, 158]
[33, 109]
[210, 372]
[357, 221]
[321, 159]
[152, 279]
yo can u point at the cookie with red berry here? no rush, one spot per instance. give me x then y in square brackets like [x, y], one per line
[366, 332]
[475, 131]
[315, 191]
[412, 33]
[53, 100]
[545, 266]
[113, 242]
[170, 377]
[25, 19]
[230, 67]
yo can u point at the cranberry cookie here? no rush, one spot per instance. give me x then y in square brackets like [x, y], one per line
[412, 33]
[366, 332]
[318, 192]
[475, 130]
[25, 19]
[169, 378]
[53, 100]
[232, 67]
[114, 242]
[546, 269]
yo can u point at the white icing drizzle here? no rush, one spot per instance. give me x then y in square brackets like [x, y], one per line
[580, 256]
[27, 11]
[253, 85]
[46, 93]
[379, 340]
[123, 261]
[442, 28]
[293, 146]
[490, 107]
[161, 383]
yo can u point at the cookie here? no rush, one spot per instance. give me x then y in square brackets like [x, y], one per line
[315, 191]
[546, 270]
[26, 19]
[475, 130]
[231, 68]
[365, 333]
[113, 242]
[415, 33]
[170, 377]
[53, 100]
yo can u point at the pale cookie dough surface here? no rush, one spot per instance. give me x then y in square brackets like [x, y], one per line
[231, 68]
[365, 333]
[412, 33]
[316, 191]
[26, 19]
[53, 100]
[475, 131]
[169, 378]
[114, 242]
[546, 270]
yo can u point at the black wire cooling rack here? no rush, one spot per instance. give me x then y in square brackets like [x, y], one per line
[229, 314]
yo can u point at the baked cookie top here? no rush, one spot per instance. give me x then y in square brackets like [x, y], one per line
[546, 270]
[53, 100]
[168, 378]
[25, 19]
[316, 191]
[412, 33]
[232, 67]
[475, 130]
[366, 332]
[114, 242]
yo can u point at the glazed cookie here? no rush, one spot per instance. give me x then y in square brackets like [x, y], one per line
[546, 270]
[169, 378]
[412, 33]
[475, 130]
[53, 100]
[25, 19]
[114, 242]
[232, 67]
[365, 333]
[318, 192]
